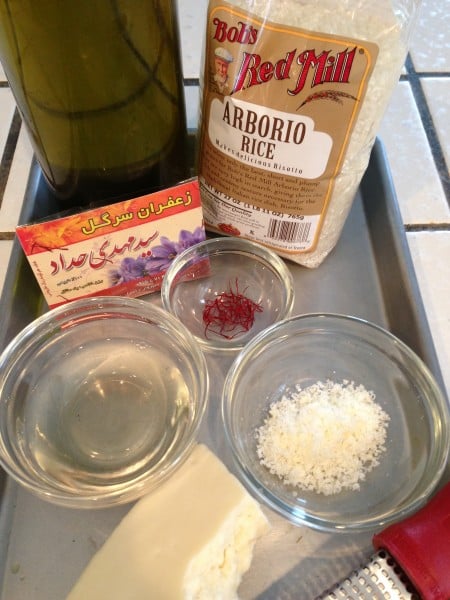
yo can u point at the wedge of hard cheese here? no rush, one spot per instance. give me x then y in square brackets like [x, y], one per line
[192, 538]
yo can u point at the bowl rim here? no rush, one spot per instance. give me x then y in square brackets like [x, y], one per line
[298, 515]
[114, 494]
[218, 245]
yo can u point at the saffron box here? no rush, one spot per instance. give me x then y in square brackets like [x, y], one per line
[123, 249]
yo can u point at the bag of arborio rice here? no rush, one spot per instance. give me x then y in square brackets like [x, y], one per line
[293, 92]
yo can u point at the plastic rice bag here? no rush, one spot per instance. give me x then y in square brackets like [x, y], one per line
[292, 97]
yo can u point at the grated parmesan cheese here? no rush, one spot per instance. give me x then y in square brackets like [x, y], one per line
[324, 438]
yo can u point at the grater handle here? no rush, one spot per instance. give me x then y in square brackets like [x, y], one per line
[420, 545]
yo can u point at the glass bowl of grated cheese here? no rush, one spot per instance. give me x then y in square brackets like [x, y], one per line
[335, 423]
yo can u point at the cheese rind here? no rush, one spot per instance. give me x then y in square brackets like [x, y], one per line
[191, 539]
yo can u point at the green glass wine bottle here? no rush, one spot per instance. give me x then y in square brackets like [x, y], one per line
[99, 87]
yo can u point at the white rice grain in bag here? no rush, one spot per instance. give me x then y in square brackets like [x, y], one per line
[293, 92]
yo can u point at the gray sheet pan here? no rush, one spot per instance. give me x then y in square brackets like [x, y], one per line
[43, 548]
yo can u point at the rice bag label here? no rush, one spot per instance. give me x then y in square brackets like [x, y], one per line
[278, 108]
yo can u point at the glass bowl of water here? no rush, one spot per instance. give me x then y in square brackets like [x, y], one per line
[100, 400]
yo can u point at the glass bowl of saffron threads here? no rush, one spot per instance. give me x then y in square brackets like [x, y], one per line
[225, 290]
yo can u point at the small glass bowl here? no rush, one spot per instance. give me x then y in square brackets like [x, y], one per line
[100, 400]
[226, 290]
[304, 350]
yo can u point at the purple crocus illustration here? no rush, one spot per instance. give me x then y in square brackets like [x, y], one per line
[187, 238]
[129, 269]
[163, 255]
[158, 260]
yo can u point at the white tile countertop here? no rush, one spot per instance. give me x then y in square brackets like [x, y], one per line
[415, 132]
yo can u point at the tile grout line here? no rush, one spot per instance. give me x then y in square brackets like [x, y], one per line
[8, 152]
[426, 74]
[429, 227]
[414, 79]
[191, 82]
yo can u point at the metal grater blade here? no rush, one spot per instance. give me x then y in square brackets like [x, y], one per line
[380, 579]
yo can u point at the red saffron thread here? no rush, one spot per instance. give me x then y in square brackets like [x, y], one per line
[230, 313]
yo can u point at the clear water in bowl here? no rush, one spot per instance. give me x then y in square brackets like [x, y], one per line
[117, 408]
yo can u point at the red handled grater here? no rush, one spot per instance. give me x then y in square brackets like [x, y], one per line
[412, 561]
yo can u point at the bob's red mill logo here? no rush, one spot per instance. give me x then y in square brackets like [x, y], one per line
[325, 67]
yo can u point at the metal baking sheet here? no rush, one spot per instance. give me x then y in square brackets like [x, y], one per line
[43, 548]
